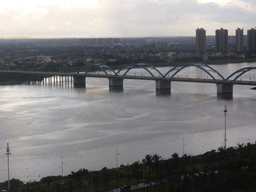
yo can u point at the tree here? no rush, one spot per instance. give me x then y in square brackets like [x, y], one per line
[105, 176]
[135, 170]
[15, 184]
[148, 163]
[156, 164]
[47, 180]
[79, 175]
[175, 157]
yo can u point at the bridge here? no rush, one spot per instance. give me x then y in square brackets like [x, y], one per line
[162, 79]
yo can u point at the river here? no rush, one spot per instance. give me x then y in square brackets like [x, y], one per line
[42, 123]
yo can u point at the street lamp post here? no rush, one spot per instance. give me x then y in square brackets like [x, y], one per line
[183, 147]
[225, 135]
[117, 167]
[8, 153]
[62, 163]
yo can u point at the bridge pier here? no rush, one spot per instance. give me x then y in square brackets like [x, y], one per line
[115, 84]
[225, 90]
[163, 87]
[79, 82]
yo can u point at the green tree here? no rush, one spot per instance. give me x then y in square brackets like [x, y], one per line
[105, 176]
[148, 163]
[135, 170]
[156, 159]
[176, 160]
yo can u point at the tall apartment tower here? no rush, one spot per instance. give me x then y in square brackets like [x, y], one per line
[251, 38]
[200, 41]
[221, 38]
[239, 40]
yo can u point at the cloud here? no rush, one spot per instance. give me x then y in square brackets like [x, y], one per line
[124, 18]
[249, 2]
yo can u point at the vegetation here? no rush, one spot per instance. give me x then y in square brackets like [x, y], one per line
[232, 169]
[17, 78]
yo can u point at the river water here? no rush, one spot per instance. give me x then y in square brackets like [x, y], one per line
[42, 123]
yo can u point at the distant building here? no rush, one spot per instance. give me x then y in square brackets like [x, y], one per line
[239, 40]
[157, 45]
[221, 38]
[171, 54]
[99, 41]
[251, 38]
[42, 58]
[200, 41]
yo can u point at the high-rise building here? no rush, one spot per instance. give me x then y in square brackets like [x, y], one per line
[221, 38]
[251, 38]
[200, 41]
[239, 40]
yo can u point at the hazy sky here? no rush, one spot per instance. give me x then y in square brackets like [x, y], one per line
[123, 18]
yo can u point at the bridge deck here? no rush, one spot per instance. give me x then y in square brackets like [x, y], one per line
[194, 80]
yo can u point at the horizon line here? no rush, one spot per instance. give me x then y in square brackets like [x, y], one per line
[31, 38]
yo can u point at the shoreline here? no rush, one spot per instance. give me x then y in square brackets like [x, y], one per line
[169, 64]
[207, 62]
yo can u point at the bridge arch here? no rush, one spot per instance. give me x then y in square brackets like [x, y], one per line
[240, 72]
[201, 66]
[99, 66]
[140, 65]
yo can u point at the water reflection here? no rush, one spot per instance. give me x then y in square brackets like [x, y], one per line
[163, 92]
[116, 89]
[225, 96]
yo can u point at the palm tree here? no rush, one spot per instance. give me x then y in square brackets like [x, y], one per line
[175, 164]
[135, 170]
[128, 174]
[105, 176]
[148, 163]
[175, 157]
[156, 164]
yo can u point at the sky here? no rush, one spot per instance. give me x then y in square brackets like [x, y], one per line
[122, 18]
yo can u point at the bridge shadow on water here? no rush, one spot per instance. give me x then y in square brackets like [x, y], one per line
[163, 92]
[158, 92]
[79, 86]
[117, 90]
[225, 96]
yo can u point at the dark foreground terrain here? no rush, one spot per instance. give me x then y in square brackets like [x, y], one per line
[232, 169]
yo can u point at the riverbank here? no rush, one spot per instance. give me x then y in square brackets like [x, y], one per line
[228, 169]
[208, 62]
[167, 64]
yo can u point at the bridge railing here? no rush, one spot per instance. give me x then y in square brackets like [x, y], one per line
[144, 69]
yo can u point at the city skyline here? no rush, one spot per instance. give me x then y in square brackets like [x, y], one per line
[200, 41]
[221, 40]
[239, 40]
[251, 39]
[112, 18]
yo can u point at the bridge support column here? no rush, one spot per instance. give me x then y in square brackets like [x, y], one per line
[115, 84]
[79, 82]
[225, 90]
[163, 87]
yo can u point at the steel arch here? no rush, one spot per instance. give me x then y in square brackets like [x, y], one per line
[141, 65]
[241, 71]
[100, 66]
[198, 65]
